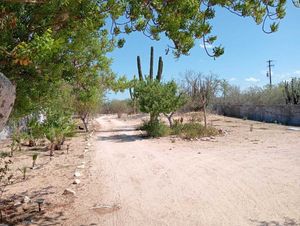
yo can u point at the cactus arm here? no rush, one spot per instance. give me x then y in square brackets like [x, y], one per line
[151, 63]
[160, 69]
[139, 68]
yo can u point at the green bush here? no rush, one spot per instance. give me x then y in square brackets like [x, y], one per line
[193, 130]
[156, 129]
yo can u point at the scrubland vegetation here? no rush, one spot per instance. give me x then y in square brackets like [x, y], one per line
[55, 53]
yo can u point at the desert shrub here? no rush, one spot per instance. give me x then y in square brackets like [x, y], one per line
[157, 98]
[118, 107]
[57, 126]
[195, 117]
[155, 129]
[231, 94]
[5, 173]
[193, 130]
[34, 131]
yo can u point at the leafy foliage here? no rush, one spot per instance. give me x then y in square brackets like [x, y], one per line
[252, 96]
[292, 91]
[193, 130]
[155, 129]
[118, 107]
[155, 97]
[46, 43]
[57, 126]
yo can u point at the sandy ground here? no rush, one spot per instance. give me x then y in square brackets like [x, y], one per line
[241, 178]
[47, 181]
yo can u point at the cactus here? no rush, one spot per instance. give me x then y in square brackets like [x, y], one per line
[151, 63]
[160, 69]
[139, 68]
[292, 91]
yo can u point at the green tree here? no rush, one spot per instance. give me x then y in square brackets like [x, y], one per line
[87, 98]
[41, 40]
[156, 97]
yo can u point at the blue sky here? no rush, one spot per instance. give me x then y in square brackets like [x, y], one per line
[247, 49]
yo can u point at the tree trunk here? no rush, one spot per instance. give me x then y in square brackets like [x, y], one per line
[52, 149]
[204, 115]
[85, 122]
[203, 103]
[169, 117]
[7, 99]
[153, 118]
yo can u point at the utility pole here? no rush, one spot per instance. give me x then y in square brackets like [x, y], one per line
[269, 73]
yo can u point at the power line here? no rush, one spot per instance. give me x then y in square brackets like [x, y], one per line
[269, 73]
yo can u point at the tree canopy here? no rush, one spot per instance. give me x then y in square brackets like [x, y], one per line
[47, 43]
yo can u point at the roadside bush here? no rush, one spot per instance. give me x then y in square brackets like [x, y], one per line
[118, 107]
[57, 127]
[156, 129]
[193, 130]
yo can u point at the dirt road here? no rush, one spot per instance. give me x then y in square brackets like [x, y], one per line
[242, 178]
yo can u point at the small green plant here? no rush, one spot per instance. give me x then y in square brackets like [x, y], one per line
[34, 158]
[34, 131]
[23, 170]
[57, 127]
[5, 162]
[156, 129]
[193, 130]
[5, 177]
[16, 141]
[4, 154]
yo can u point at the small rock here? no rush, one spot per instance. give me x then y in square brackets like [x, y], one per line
[76, 181]
[81, 167]
[26, 199]
[25, 207]
[69, 192]
[81, 156]
[77, 174]
[199, 153]
[88, 144]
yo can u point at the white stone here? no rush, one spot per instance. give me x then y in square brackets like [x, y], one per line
[81, 167]
[26, 199]
[77, 174]
[76, 181]
[17, 203]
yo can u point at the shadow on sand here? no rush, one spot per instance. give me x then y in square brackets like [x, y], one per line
[13, 213]
[121, 136]
[286, 222]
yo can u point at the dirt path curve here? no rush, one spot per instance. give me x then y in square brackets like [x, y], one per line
[233, 181]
